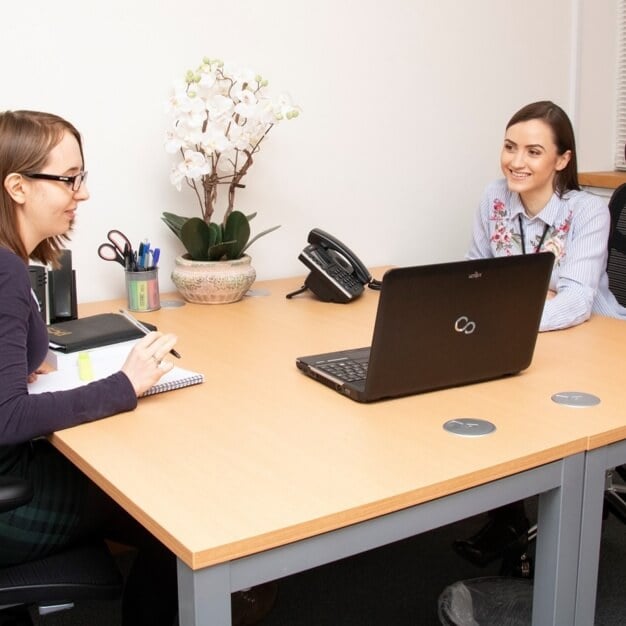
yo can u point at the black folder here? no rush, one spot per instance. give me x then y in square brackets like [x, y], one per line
[93, 331]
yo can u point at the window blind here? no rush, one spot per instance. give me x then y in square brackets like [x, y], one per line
[620, 162]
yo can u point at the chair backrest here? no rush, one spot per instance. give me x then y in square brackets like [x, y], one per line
[616, 265]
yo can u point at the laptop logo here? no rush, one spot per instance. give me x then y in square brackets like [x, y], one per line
[464, 325]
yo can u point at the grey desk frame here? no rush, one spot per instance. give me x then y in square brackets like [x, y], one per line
[596, 463]
[204, 594]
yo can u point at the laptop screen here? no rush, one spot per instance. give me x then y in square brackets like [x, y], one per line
[453, 323]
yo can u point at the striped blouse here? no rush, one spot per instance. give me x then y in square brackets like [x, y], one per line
[575, 228]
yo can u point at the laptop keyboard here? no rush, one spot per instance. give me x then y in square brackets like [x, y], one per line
[346, 369]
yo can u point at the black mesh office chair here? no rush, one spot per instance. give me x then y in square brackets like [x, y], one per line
[56, 582]
[615, 493]
[616, 265]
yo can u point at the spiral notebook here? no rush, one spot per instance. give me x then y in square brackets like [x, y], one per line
[103, 362]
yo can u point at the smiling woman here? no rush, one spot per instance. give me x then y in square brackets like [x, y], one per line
[539, 206]
[30, 141]
[530, 162]
[53, 197]
[43, 183]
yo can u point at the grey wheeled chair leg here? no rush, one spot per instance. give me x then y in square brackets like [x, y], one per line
[519, 563]
[615, 494]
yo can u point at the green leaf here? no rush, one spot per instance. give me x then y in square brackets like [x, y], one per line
[236, 230]
[174, 222]
[257, 236]
[195, 236]
[220, 251]
[215, 234]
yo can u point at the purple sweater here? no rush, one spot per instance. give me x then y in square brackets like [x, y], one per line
[23, 347]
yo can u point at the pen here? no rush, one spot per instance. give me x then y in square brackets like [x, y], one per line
[143, 329]
[144, 252]
[156, 253]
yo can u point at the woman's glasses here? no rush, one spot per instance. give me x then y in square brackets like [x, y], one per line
[74, 182]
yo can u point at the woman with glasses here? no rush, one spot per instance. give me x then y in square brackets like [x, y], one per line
[43, 182]
[539, 206]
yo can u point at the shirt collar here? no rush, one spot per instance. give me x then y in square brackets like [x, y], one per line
[547, 215]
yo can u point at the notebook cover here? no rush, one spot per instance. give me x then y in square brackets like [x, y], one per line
[91, 332]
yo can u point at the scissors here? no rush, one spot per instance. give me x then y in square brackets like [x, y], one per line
[119, 249]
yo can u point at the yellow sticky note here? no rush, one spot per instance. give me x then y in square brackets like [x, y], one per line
[85, 368]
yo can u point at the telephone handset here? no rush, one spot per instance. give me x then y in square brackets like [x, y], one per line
[337, 275]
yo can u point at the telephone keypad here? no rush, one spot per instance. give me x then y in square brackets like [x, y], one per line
[347, 280]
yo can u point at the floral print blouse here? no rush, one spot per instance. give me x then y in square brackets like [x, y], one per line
[574, 228]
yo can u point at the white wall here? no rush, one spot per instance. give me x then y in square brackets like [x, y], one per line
[595, 125]
[404, 106]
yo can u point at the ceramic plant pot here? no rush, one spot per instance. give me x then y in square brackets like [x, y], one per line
[213, 282]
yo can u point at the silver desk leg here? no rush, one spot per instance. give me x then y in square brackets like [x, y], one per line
[596, 464]
[204, 595]
[557, 548]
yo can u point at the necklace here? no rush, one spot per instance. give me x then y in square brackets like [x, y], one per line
[521, 232]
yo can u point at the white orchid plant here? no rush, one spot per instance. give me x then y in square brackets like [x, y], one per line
[220, 115]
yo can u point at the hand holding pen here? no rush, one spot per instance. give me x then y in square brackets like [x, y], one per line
[145, 365]
[137, 324]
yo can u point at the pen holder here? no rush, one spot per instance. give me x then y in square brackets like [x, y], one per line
[142, 290]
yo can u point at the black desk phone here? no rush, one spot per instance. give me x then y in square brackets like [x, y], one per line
[337, 274]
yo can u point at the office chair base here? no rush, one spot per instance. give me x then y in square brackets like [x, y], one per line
[494, 541]
[16, 616]
[518, 566]
[85, 572]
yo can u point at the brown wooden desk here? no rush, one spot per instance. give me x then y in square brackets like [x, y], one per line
[261, 472]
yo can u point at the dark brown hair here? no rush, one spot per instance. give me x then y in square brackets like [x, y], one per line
[26, 140]
[563, 134]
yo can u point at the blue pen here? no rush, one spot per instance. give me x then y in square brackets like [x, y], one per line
[156, 253]
[145, 257]
[140, 257]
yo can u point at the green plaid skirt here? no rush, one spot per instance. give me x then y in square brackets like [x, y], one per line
[47, 523]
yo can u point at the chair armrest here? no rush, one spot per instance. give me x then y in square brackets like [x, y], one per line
[14, 492]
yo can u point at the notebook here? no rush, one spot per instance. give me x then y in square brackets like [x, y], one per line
[442, 326]
[103, 362]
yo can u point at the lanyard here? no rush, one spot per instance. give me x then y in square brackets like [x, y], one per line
[521, 232]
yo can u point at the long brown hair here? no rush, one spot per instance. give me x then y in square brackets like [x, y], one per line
[26, 140]
[563, 134]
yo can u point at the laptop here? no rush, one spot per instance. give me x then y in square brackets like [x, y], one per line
[441, 326]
